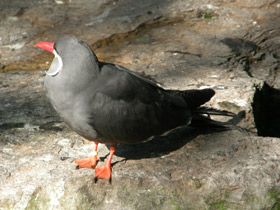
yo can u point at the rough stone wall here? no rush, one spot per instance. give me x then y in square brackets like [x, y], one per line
[230, 46]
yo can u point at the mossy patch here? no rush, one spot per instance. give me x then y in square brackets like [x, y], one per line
[274, 194]
[220, 205]
[175, 205]
[38, 201]
[208, 15]
[197, 183]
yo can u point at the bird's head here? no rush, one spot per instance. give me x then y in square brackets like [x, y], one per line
[70, 53]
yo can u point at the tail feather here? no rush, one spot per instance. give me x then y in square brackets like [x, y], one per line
[212, 111]
[200, 114]
[195, 98]
[201, 121]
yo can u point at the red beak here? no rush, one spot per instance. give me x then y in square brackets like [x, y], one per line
[46, 46]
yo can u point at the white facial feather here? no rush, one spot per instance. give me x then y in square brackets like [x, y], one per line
[56, 65]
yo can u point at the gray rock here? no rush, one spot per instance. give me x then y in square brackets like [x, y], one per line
[181, 44]
[195, 169]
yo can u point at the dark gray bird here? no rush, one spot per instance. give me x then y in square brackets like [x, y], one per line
[110, 104]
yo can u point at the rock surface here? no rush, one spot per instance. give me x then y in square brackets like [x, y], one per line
[230, 46]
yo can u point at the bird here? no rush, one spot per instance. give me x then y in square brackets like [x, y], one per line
[110, 104]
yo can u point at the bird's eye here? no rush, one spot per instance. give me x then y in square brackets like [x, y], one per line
[54, 47]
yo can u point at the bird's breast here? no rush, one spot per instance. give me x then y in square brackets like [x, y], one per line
[72, 109]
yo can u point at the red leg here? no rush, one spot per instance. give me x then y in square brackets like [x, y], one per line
[89, 162]
[104, 172]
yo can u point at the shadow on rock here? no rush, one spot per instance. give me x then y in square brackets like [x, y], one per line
[163, 145]
[240, 46]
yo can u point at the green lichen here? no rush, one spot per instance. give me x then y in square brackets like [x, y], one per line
[38, 201]
[220, 205]
[175, 205]
[208, 15]
[274, 194]
[197, 183]
[276, 206]
[124, 188]
[33, 204]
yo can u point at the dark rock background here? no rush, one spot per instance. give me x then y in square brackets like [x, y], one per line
[231, 46]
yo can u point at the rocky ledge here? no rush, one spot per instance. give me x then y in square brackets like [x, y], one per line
[230, 46]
